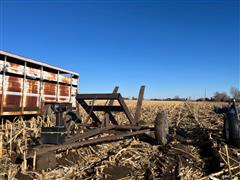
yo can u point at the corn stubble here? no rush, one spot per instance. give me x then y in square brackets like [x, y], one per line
[190, 154]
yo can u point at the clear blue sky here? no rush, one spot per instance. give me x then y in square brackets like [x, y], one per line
[173, 47]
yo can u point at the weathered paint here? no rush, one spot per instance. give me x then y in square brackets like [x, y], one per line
[25, 86]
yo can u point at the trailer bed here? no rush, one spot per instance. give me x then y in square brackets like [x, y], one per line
[27, 85]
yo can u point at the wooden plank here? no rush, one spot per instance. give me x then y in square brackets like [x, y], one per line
[88, 134]
[107, 108]
[43, 149]
[126, 111]
[98, 96]
[89, 111]
[115, 90]
[109, 114]
[112, 118]
[139, 104]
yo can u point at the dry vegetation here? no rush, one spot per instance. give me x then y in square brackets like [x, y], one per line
[195, 149]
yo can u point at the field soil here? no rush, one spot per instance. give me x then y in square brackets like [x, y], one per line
[195, 148]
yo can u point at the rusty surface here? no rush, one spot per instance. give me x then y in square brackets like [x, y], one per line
[28, 60]
[25, 86]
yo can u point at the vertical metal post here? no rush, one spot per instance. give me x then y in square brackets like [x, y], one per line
[77, 104]
[3, 83]
[71, 90]
[23, 99]
[58, 86]
[40, 89]
[139, 104]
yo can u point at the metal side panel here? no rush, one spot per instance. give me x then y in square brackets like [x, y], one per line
[31, 94]
[12, 94]
[49, 92]
[64, 93]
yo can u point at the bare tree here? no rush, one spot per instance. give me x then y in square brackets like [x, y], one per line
[235, 92]
[221, 96]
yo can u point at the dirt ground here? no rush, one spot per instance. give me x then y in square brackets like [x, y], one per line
[195, 148]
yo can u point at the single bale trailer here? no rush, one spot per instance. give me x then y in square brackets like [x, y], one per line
[28, 87]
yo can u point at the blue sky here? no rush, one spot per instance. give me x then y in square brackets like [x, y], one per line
[173, 47]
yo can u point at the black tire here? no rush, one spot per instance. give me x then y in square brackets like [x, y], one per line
[161, 128]
[234, 129]
[226, 130]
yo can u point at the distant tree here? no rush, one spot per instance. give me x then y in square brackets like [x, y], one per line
[220, 96]
[176, 98]
[156, 99]
[134, 98]
[235, 92]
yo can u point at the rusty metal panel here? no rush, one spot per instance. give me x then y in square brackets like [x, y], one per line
[49, 76]
[75, 81]
[26, 88]
[36, 62]
[64, 93]
[32, 93]
[50, 88]
[13, 93]
[14, 68]
[64, 79]
[49, 92]
[33, 72]
[13, 84]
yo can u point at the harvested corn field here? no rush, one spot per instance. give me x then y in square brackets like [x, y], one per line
[195, 148]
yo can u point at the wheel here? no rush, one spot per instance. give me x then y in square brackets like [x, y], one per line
[226, 130]
[234, 129]
[161, 128]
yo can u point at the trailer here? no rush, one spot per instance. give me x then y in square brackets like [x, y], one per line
[29, 87]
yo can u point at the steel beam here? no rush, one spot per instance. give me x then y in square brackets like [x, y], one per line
[98, 96]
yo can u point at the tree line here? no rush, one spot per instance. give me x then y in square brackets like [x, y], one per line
[217, 96]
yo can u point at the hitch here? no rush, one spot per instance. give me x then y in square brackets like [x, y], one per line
[57, 134]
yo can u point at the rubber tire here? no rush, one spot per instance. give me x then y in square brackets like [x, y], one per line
[226, 130]
[161, 128]
[234, 129]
